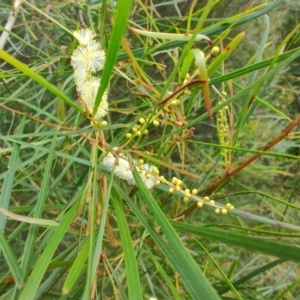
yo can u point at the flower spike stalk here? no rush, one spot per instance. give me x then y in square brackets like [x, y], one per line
[88, 58]
[122, 165]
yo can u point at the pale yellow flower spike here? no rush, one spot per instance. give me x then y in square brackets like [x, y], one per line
[123, 169]
[95, 57]
[78, 60]
[88, 58]
[84, 36]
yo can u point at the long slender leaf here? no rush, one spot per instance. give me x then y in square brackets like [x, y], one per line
[31, 286]
[76, 269]
[132, 273]
[119, 26]
[166, 277]
[9, 178]
[11, 260]
[252, 67]
[264, 77]
[217, 28]
[33, 231]
[195, 281]
[39, 79]
[164, 246]
[225, 278]
[251, 275]
[92, 195]
[279, 249]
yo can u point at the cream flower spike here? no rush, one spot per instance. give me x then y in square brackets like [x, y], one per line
[148, 169]
[88, 94]
[88, 58]
[120, 166]
[78, 59]
[84, 36]
[95, 57]
[123, 169]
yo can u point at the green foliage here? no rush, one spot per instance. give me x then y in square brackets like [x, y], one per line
[187, 189]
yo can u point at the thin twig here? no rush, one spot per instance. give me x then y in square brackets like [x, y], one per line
[9, 24]
[180, 89]
[247, 162]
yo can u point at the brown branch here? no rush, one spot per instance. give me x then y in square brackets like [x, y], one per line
[36, 119]
[247, 162]
[169, 97]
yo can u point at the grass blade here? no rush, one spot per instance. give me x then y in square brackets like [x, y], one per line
[75, 270]
[279, 249]
[133, 278]
[43, 262]
[120, 22]
[11, 261]
[39, 79]
[9, 178]
[195, 281]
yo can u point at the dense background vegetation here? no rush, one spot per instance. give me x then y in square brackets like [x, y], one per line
[70, 230]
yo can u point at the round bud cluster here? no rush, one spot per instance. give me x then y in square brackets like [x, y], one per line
[140, 129]
[223, 134]
[215, 51]
[155, 123]
[187, 78]
[176, 185]
[162, 179]
[175, 102]
[222, 210]
[219, 210]
[229, 206]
